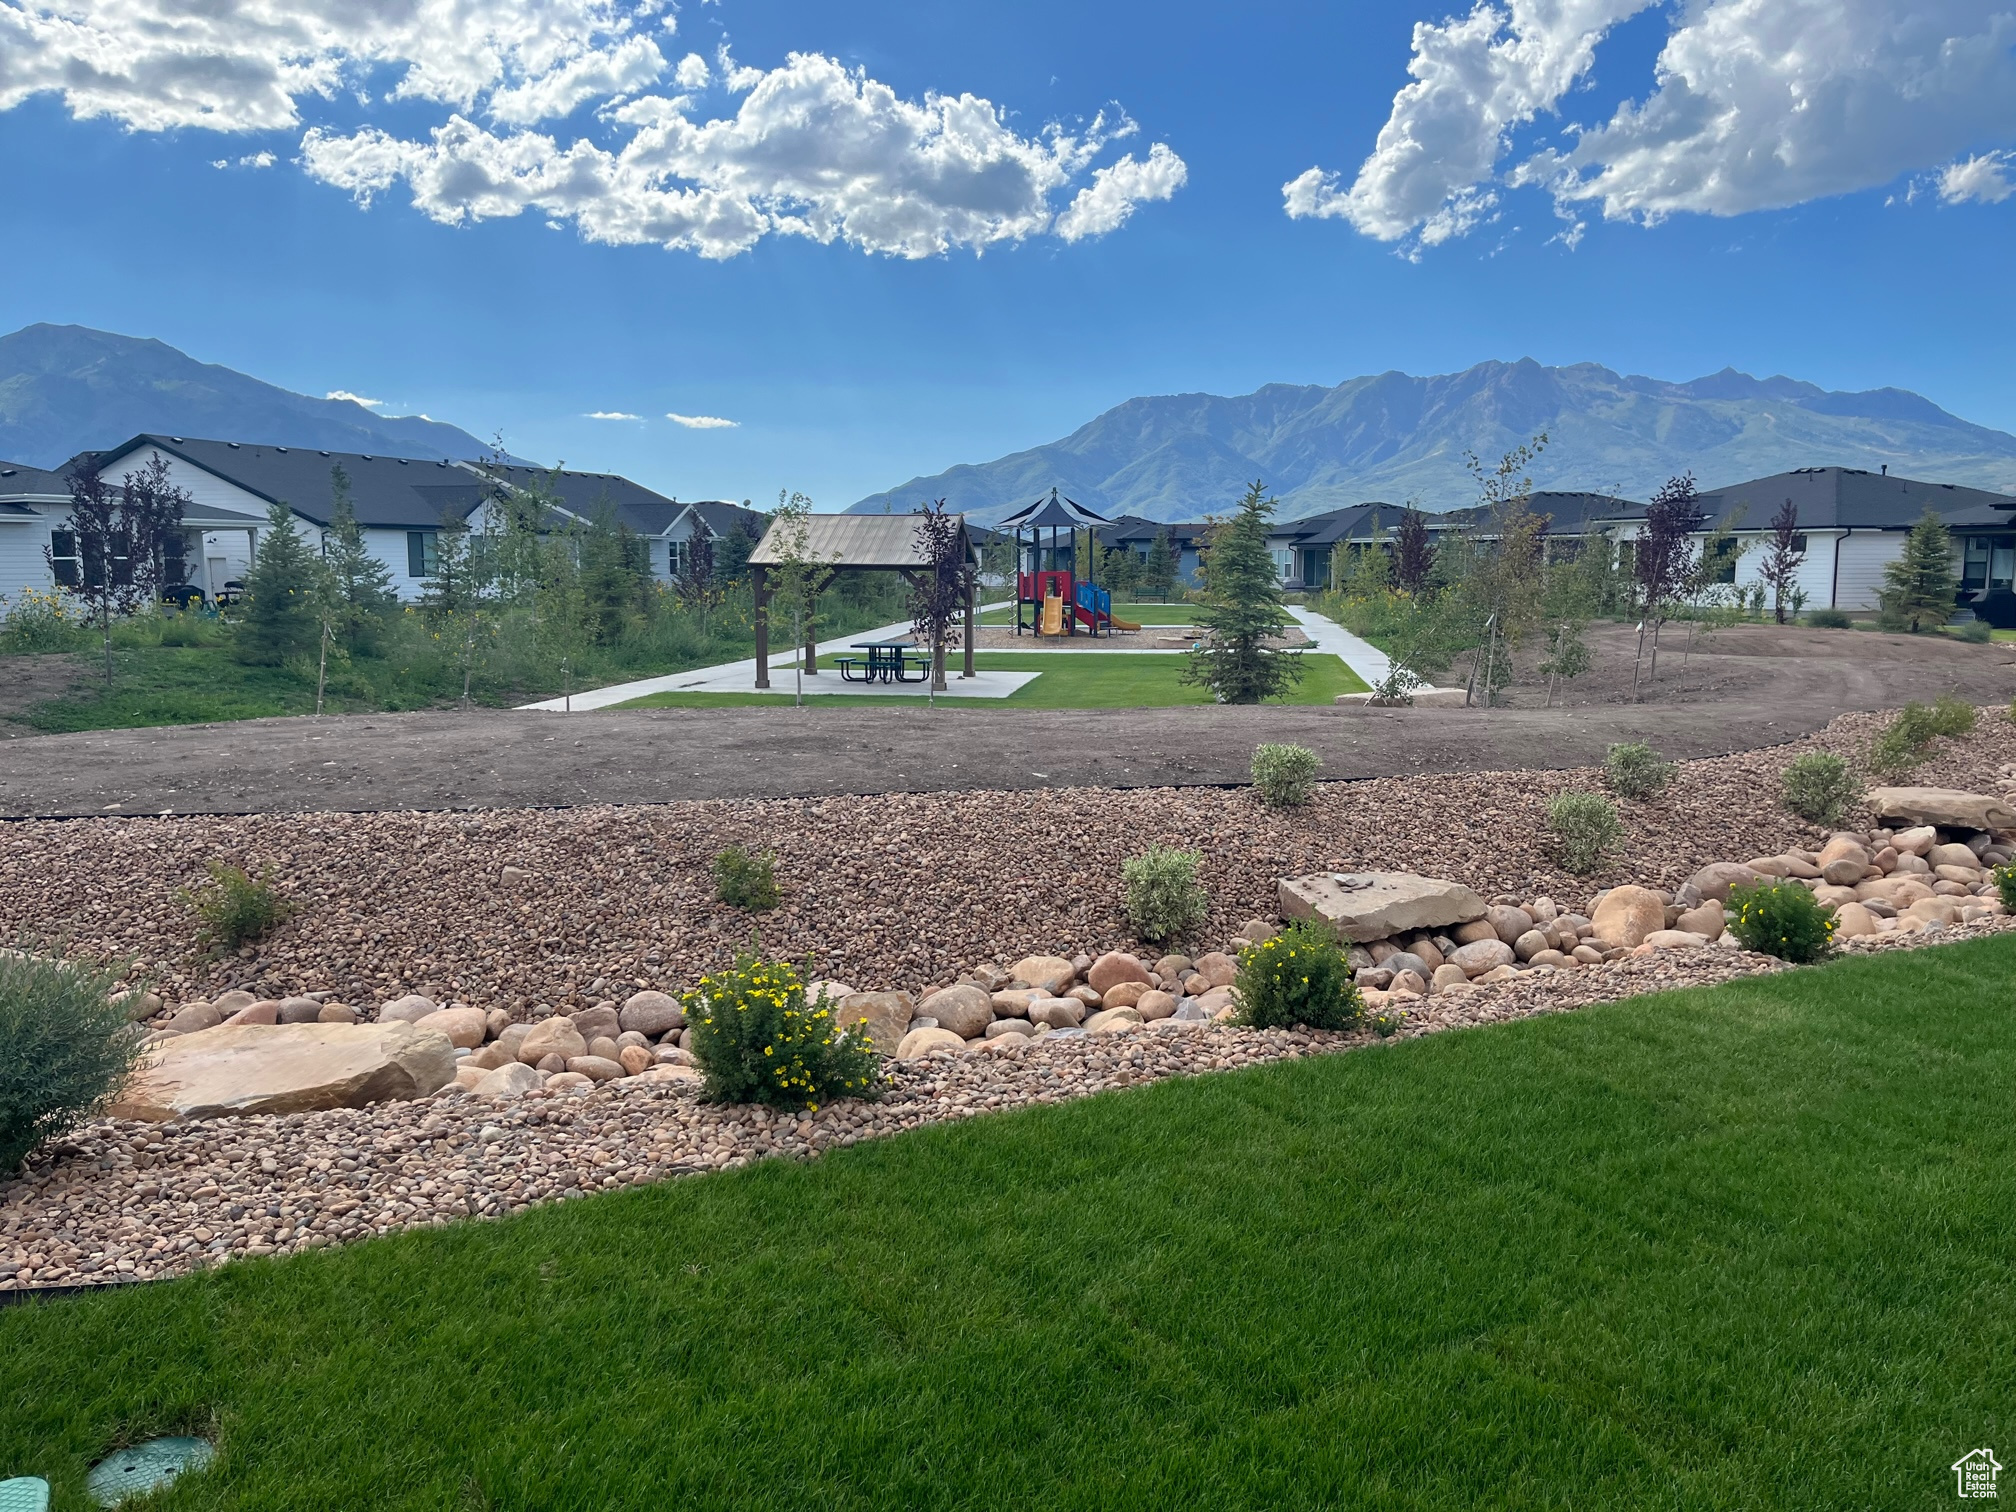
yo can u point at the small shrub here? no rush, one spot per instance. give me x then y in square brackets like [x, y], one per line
[1829, 619]
[1301, 976]
[1164, 897]
[65, 1048]
[2005, 885]
[1781, 919]
[1976, 632]
[759, 1041]
[1585, 830]
[1907, 740]
[1284, 774]
[745, 881]
[1386, 1022]
[1636, 770]
[233, 907]
[1396, 689]
[1818, 787]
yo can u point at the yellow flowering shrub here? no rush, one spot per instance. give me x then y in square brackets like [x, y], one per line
[1301, 976]
[1781, 919]
[758, 1040]
[37, 619]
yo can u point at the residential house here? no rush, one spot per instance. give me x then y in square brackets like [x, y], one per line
[1133, 534]
[400, 504]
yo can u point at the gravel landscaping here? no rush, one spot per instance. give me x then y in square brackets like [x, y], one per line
[519, 916]
[127, 1201]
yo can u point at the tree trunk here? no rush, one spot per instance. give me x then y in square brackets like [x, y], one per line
[1652, 672]
[322, 669]
[1637, 661]
[798, 663]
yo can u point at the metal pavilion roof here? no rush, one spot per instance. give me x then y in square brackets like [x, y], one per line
[1055, 511]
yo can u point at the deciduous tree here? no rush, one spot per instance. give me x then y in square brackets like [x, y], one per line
[938, 592]
[1783, 558]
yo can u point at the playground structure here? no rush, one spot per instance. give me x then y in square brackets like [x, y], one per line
[1060, 603]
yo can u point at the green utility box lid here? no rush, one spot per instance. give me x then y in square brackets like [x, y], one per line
[24, 1493]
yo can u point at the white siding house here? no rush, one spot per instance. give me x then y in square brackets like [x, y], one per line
[400, 504]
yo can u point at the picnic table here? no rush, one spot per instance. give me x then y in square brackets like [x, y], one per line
[884, 663]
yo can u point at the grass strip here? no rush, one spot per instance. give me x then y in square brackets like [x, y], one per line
[1735, 1247]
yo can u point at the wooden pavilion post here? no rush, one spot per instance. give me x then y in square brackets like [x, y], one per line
[811, 655]
[759, 583]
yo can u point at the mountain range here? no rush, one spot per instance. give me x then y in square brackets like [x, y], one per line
[1396, 437]
[66, 389]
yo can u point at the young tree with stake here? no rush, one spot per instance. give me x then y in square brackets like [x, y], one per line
[796, 577]
[1783, 559]
[1665, 558]
[1413, 555]
[941, 589]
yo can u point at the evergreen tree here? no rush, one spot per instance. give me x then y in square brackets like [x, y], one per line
[453, 588]
[731, 557]
[615, 568]
[1242, 611]
[283, 595]
[360, 586]
[1158, 573]
[1919, 588]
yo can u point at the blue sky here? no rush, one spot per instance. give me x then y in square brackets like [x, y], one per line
[1873, 249]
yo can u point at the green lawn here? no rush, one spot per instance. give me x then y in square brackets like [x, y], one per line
[1746, 1247]
[1140, 614]
[1070, 680]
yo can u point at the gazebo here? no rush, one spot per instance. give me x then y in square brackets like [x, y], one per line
[1053, 565]
[848, 543]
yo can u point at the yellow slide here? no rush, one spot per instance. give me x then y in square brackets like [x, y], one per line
[1119, 624]
[1053, 616]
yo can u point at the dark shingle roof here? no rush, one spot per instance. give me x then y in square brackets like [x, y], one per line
[19, 480]
[1852, 498]
[394, 492]
[1128, 529]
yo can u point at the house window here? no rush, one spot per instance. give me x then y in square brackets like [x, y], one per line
[1989, 562]
[1799, 545]
[1315, 566]
[1284, 562]
[423, 556]
[69, 567]
[675, 558]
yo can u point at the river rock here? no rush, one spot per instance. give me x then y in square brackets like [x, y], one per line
[1114, 1021]
[919, 1043]
[885, 1015]
[230, 1002]
[287, 1068]
[1124, 994]
[1366, 906]
[1627, 915]
[336, 1013]
[466, 1028]
[408, 1009]
[264, 1012]
[1000, 1027]
[553, 1036]
[1708, 920]
[300, 1010]
[1052, 973]
[193, 1018]
[1507, 922]
[507, 1082]
[1156, 1004]
[1217, 968]
[1953, 855]
[1480, 956]
[599, 1022]
[596, 1067]
[965, 1010]
[1057, 1012]
[1852, 920]
[1842, 862]
[1673, 939]
[652, 1013]
[1113, 968]
[1915, 842]
[1943, 807]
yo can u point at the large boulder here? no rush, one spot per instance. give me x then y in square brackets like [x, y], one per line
[886, 1016]
[466, 1028]
[1940, 806]
[1058, 1013]
[652, 1013]
[407, 1009]
[1114, 968]
[1627, 915]
[599, 1022]
[966, 1010]
[1842, 861]
[287, 1068]
[1365, 906]
[1507, 922]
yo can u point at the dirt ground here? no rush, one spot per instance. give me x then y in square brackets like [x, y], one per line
[29, 680]
[1740, 689]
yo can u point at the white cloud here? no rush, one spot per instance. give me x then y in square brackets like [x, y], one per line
[703, 422]
[345, 396]
[250, 160]
[246, 65]
[1105, 203]
[1756, 104]
[692, 72]
[1984, 178]
[811, 149]
[612, 415]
